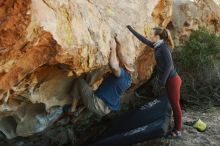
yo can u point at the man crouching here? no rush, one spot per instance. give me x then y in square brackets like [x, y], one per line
[107, 97]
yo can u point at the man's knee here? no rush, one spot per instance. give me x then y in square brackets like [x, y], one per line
[76, 87]
[80, 82]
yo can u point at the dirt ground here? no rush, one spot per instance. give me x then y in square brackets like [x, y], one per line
[191, 137]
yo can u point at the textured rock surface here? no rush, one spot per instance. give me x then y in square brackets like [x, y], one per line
[189, 15]
[45, 44]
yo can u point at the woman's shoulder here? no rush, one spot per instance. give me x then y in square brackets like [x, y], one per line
[165, 46]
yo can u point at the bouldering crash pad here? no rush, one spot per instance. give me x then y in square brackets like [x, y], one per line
[147, 122]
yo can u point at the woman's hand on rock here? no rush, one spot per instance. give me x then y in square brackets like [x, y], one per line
[129, 26]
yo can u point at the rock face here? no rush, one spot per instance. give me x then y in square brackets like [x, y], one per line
[45, 44]
[189, 15]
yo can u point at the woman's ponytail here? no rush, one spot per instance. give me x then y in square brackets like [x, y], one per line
[169, 39]
[165, 35]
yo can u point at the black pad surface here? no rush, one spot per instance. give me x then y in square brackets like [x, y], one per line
[148, 122]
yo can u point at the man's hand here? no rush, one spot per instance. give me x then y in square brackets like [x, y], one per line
[114, 63]
[118, 39]
[112, 44]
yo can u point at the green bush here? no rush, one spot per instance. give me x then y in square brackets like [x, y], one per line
[201, 49]
[199, 66]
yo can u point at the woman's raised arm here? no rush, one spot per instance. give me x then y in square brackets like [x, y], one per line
[141, 37]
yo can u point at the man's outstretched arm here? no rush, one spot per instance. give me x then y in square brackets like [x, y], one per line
[114, 63]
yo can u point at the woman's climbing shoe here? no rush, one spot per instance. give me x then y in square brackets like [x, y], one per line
[174, 134]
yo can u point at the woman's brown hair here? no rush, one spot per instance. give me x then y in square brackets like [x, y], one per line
[165, 35]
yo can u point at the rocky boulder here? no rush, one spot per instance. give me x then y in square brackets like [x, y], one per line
[45, 44]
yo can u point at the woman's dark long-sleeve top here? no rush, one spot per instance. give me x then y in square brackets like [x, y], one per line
[165, 67]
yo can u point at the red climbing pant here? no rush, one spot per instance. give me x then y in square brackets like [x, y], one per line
[173, 90]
